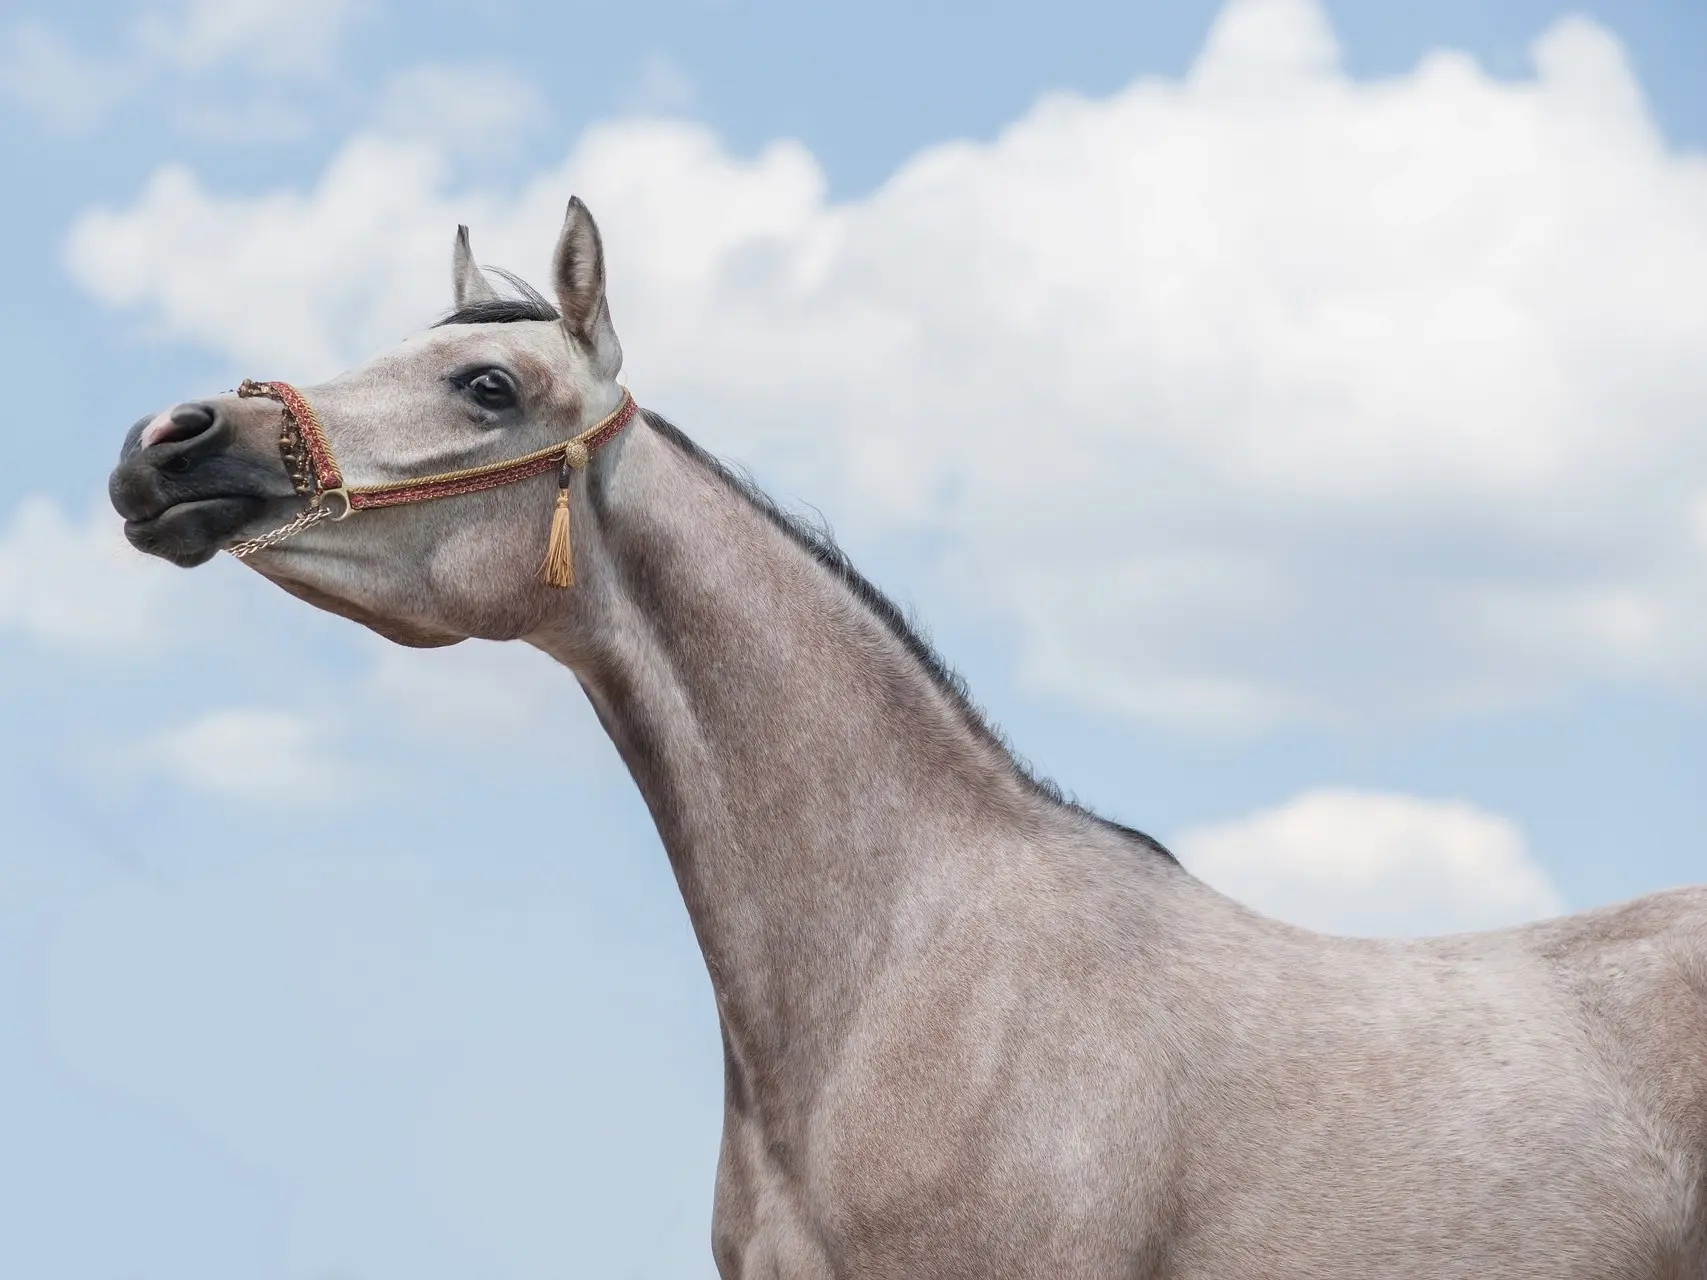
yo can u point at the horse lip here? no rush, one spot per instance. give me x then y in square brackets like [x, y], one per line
[193, 531]
[142, 491]
[184, 507]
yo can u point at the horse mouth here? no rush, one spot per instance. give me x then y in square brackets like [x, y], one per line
[193, 532]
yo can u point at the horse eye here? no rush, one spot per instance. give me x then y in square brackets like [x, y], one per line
[492, 389]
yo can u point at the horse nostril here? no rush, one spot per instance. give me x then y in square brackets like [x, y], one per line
[186, 422]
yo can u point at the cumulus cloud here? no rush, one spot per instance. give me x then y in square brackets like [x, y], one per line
[1356, 862]
[73, 585]
[255, 755]
[506, 706]
[76, 584]
[662, 87]
[72, 89]
[190, 256]
[461, 109]
[289, 35]
[1261, 395]
[47, 76]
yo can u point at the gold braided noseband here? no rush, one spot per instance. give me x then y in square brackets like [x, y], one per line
[314, 471]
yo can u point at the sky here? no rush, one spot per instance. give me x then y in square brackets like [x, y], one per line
[1289, 417]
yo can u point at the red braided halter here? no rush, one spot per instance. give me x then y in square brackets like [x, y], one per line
[321, 479]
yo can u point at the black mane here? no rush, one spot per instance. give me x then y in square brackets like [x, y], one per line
[815, 538]
[528, 304]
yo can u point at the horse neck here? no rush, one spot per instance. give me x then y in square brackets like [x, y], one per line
[823, 800]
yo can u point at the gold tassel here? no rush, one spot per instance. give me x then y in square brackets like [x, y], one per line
[558, 568]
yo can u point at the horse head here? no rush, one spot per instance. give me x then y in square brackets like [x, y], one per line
[501, 378]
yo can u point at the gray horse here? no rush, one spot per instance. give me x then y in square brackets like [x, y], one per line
[970, 1030]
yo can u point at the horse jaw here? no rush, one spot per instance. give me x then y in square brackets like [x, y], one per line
[413, 635]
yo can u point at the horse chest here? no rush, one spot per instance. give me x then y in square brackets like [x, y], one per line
[943, 1182]
[890, 1224]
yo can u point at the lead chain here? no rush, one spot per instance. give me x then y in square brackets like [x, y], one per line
[260, 542]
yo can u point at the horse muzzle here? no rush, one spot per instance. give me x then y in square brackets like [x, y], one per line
[186, 483]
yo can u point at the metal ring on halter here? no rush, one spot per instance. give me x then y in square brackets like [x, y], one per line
[342, 491]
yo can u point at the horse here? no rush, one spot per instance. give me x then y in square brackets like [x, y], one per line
[970, 1029]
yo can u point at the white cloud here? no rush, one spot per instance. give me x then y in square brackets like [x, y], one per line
[256, 120]
[1386, 865]
[662, 87]
[255, 755]
[1261, 395]
[477, 108]
[72, 90]
[78, 584]
[70, 585]
[507, 707]
[69, 90]
[288, 35]
[190, 257]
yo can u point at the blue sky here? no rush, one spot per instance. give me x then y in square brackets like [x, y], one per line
[1365, 559]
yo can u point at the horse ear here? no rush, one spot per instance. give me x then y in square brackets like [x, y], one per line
[578, 275]
[468, 283]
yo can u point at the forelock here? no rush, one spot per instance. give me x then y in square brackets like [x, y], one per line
[527, 304]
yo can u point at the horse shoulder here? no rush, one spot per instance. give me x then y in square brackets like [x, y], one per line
[1001, 1108]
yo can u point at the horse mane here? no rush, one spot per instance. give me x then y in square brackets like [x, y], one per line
[813, 535]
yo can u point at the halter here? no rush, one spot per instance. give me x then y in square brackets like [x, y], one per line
[314, 473]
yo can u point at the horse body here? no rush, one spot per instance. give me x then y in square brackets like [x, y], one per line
[980, 1033]
[972, 1030]
[1185, 1090]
